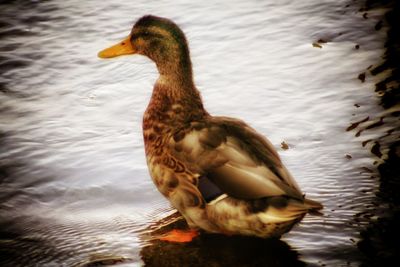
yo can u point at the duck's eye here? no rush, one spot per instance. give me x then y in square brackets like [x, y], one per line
[123, 43]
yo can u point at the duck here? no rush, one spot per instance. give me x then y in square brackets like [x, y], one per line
[219, 173]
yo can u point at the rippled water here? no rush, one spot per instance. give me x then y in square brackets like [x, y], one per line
[75, 187]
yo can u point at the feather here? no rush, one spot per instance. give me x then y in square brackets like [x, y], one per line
[237, 160]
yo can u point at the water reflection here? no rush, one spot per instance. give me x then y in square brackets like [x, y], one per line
[27, 241]
[215, 250]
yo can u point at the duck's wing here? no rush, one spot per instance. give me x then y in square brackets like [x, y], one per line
[235, 158]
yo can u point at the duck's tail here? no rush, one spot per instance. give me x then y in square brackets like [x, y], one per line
[295, 209]
[313, 206]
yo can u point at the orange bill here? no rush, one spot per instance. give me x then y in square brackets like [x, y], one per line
[122, 48]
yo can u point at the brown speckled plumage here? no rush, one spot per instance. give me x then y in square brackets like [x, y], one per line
[245, 189]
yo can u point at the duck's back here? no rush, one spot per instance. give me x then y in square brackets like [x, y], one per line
[238, 160]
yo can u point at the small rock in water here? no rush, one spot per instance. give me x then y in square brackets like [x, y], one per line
[357, 46]
[361, 77]
[284, 145]
[348, 156]
[319, 42]
[376, 149]
[317, 45]
[357, 105]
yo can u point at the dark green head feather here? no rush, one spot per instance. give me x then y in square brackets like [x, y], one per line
[162, 41]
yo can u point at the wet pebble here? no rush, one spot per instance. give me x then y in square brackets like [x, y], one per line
[284, 146]
[317, 45]
[376, 150]
[361, 77]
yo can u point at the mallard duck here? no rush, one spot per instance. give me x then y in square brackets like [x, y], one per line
[218, 172]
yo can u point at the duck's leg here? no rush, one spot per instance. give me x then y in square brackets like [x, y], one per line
[179, 236]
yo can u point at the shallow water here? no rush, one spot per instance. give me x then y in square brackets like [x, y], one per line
[76, 188]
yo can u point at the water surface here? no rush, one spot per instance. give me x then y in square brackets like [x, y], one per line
[75, 186]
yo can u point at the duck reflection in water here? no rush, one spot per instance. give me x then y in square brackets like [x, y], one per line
[214, 249]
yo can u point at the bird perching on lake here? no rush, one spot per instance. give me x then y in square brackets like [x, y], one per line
[218, 172]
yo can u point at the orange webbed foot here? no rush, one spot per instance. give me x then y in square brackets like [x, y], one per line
[179, 236]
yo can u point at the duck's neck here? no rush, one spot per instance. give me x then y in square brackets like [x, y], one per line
[175, 102]
[176, 71]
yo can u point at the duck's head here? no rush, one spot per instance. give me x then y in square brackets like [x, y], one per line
[159, 39]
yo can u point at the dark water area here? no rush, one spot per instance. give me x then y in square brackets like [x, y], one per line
[74, 186]
[380, 240]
